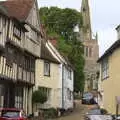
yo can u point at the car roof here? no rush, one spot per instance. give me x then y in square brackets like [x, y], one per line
[101, 117]
[94, 111]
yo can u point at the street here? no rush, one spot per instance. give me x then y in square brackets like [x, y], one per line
[78, 113]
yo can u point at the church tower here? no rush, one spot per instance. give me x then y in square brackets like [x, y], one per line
[91, 48]
[85, 11]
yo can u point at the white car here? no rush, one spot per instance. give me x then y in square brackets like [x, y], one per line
[96, 114]
[99, 117]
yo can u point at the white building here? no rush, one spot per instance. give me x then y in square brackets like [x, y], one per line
[65, 83]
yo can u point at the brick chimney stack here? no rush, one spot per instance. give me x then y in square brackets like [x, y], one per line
[53, 40]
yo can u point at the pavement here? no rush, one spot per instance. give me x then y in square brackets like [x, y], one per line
[78, 113]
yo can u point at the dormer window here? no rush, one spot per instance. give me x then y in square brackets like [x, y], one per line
[17, 32]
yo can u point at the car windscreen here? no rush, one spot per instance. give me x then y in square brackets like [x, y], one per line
[87, 95]
[10, 113]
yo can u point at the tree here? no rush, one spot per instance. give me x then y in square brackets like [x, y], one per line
[61, 22]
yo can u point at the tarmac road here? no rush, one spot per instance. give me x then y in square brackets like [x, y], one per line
[78, 113]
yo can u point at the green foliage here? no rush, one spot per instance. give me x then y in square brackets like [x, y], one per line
[103, 111]
[77, 97]
[50, 113]
[59, 23]
[39, 97]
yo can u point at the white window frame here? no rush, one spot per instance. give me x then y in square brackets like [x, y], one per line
[70, 74]
[46, 68]
[105, 69]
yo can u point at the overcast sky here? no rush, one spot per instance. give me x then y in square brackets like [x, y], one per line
[105, 16]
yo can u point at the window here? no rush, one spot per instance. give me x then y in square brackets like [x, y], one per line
[32, 65]
[46, 68]
[27, 63]
[69, 94]
[2, 92]
[84, 9]
[10, 113]
[9, 57]
[88, 51]
[19, 97]
[2, 23]
[69, 74]
[46, 91]
[104, 68]
[31, 34]
[17, 32]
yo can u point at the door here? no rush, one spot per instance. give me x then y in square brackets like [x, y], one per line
[9, 96]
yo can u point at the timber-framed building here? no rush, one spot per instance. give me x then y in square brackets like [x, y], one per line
[19, 48]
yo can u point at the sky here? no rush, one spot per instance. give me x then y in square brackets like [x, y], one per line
[105, 17]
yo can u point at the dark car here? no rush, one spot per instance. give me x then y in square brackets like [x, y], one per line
[12, 114]
[116, 117]
[88, 98]
[97, 114]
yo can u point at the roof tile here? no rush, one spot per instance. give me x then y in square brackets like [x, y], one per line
[17, 8]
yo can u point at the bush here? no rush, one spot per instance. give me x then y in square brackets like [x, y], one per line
[39, 97]
[104, 111]
[77, 97]
[50, 113]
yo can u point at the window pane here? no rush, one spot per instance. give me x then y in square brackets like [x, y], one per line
[47, 68]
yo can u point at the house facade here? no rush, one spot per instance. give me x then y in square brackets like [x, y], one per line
[19, 48]
[66, 79]
[47, 77]
[109, 89]
[55, 77]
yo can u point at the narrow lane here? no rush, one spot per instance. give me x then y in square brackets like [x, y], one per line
[77, 114]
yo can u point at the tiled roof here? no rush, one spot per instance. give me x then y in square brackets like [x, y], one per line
[17, 8]
[46, 54]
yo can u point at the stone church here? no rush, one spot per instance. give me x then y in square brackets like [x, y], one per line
[91, 49]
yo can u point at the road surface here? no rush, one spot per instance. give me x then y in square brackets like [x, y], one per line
[78, 113]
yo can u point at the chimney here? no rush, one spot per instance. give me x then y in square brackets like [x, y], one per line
[118, 32]
[53, 40]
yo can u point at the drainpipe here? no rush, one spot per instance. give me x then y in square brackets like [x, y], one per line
[62, 86]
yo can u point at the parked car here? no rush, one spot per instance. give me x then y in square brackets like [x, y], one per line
[88, 98]
[12, 114]
[116, 117]
[97, 114]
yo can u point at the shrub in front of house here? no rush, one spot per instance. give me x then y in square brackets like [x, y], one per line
[39, 97]
[104, 111]
[50, 113]
[77, 97]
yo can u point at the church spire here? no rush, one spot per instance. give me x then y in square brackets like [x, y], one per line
[85, 11]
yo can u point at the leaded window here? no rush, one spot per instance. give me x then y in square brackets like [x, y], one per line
[19, 97]
[17, 32]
